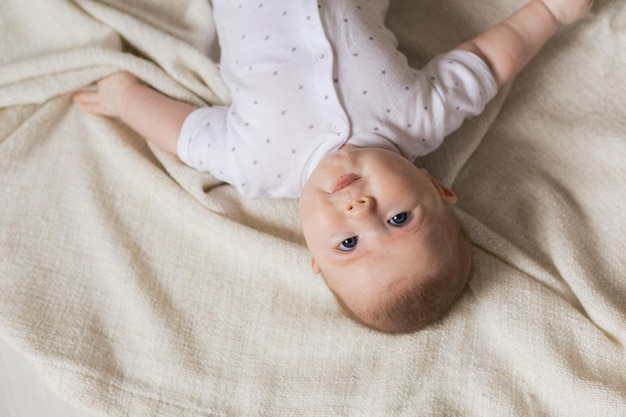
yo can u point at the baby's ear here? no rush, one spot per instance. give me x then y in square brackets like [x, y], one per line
[315, 267]
[447, 195]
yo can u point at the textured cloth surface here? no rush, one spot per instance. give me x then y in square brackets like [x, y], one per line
[140, 287]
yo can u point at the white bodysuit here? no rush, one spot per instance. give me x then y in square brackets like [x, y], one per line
[307, 77]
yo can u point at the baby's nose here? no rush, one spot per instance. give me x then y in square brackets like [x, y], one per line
[363, 203]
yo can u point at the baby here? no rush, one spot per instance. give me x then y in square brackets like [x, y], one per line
[326, 109]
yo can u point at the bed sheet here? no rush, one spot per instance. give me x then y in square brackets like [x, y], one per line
[140, 287]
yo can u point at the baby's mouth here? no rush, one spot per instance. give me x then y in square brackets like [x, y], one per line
[344, 182]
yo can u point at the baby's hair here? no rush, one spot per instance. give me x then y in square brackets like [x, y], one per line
[420, 305]
[408, 309]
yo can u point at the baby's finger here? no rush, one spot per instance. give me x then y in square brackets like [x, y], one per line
[89, 102]
[85, 97]
[90, 107]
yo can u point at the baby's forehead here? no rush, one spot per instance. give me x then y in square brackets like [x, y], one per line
[372, 276]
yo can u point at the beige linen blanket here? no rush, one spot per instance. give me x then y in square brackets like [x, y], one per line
[140, 287]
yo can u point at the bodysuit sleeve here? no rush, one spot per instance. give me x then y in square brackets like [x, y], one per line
[209, 142]
[216, 140]
[462, 84]
[194, 142]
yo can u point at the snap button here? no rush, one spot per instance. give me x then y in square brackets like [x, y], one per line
[338, 127]
[322, 55]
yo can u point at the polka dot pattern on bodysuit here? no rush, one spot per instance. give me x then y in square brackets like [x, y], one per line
[306, 77]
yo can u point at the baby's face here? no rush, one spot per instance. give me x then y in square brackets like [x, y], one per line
[371, 219]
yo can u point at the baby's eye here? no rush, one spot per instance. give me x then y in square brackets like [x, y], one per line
[400, 219]
[348, 244]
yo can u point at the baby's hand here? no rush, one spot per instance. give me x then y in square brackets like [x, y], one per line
[568, 11]
[108, 99]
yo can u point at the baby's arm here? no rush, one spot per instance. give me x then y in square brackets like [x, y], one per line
[153, 115]
[508, 46]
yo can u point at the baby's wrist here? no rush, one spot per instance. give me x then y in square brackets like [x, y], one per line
[130, 93]
[553, 15]
[565, 12]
